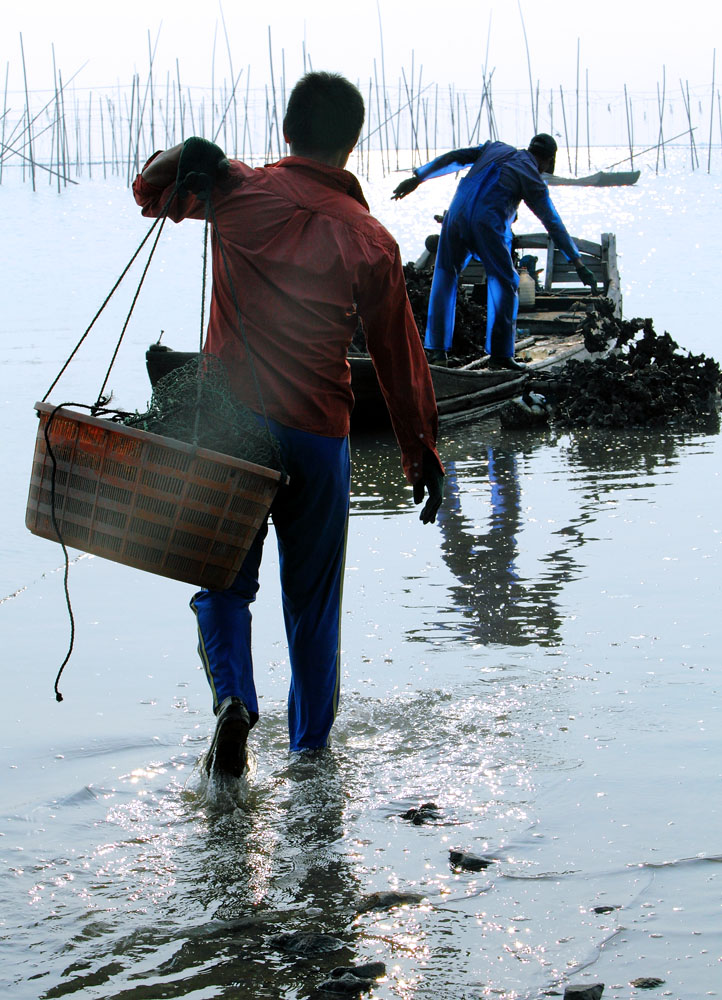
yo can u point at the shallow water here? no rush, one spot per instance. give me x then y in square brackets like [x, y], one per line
[542, 664]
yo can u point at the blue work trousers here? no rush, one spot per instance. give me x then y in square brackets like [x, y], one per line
[457, 243]
[310, 516]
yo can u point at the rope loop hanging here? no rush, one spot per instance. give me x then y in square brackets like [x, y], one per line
[100, 406]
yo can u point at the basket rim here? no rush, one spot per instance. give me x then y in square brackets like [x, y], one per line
[183, 446]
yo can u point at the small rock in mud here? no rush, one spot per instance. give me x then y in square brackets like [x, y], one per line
[469, 862]
[385, 900]
[422, 814]
[584, 992]
[606, 909]
[528, 410]
[647, 983]
[351, 980]
[347, 985]
[305, 943]
[369, 970]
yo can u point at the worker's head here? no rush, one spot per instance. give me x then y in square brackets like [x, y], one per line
[543, 148]
[324, 117]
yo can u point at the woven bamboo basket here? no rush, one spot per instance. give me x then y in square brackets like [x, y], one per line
[144, 500]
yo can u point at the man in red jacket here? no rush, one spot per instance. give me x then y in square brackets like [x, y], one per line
[297, 249]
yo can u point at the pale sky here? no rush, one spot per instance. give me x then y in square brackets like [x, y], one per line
[620, 41]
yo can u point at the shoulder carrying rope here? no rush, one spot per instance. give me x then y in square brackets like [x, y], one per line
[100, 407]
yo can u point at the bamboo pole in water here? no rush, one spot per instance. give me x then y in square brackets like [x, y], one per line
[131, 114]
[589, 146]
[273, 123]
[551, 112]
[576, 126]
[233, 76]
[648, 149]
[78, 161]
[493, 130]
[566, 132]
[246, 127]
[419, 90]
[691, 129]
[380, 119]
[685, 100]
[102, 137]
[63, 129]
[528, 64]
[56, 138]
[5, 114]
[27, 105]
[387, 108]
[630, 127]
[90, 131]
[413, 136]
[436, 118]
[426, 127]
[711, 115]
[151, 54]
[660, 102]
[181, 106]
[230, 102]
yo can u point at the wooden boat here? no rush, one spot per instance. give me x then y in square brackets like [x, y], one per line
[549, 334]
[602, 178]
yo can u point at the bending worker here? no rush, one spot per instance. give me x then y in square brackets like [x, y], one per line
[478, 224]
[297, 249]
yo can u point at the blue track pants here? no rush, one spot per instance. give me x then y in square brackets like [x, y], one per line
[310, 516]
[457, 243]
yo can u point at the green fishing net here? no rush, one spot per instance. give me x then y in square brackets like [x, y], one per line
[194, 403]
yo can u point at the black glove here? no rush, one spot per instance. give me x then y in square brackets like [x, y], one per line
[201, 164]
[586, 277]
[405, 187]
[432, 481]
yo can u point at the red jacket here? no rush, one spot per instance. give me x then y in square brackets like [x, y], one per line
[307, 259]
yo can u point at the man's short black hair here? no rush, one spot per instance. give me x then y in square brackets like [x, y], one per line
[325, 113]
[544, 146]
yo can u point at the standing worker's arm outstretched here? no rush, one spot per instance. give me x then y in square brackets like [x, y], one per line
[447, 163]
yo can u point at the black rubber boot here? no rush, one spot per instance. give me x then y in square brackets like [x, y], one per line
[227, 755]
[507, 364]
[436, 356]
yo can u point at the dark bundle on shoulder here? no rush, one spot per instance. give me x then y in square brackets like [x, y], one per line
[195, 404]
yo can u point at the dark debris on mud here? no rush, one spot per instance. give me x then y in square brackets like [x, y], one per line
[470, 321]
[646, 380]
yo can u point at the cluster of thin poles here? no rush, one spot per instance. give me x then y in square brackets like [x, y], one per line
[408, 123]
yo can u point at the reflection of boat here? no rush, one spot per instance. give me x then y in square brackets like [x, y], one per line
[551, 329]
[602, 178]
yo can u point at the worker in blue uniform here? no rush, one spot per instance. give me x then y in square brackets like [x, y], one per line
[478, 224]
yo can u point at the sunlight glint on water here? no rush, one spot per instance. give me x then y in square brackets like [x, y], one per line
[541, 665]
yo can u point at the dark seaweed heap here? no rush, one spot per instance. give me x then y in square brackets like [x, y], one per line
[645, 381]
[470, 323]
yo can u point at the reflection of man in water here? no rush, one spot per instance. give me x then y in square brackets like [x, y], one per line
[505, 608]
